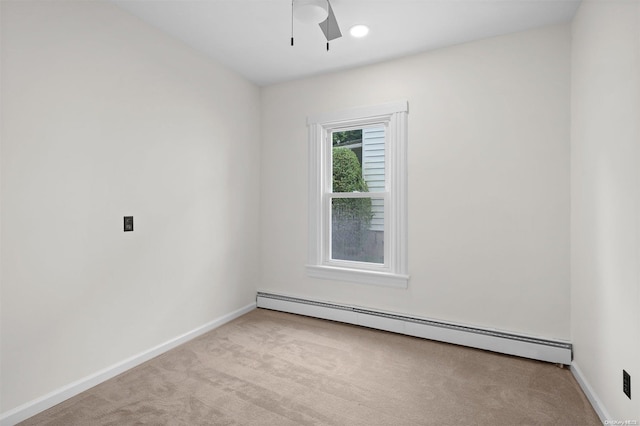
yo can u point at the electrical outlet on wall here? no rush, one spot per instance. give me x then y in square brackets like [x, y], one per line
[626, 383]
[128, 224]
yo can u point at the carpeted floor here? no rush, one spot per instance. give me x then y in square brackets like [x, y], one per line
[272, 368]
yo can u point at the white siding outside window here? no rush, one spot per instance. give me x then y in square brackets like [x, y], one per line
[373, 170]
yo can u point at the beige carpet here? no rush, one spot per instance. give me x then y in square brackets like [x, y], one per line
[271, 368]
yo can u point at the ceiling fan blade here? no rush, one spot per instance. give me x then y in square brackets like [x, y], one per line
[330, 26]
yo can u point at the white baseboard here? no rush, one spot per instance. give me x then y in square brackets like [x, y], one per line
[596, 403]
[38, 405]
[493, 340]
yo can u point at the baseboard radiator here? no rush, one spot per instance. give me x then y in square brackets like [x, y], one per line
[555, 351]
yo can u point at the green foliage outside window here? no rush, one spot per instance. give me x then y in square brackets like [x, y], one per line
[347, 172]
[341, 138]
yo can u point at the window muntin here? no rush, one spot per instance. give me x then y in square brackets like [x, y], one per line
[358, 227]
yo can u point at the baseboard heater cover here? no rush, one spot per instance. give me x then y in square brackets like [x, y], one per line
[555, 351]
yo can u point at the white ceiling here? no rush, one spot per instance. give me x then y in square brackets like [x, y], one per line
[253, 36]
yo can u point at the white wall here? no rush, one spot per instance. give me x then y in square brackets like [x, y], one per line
[605, 217]
[488, 182]
[104, 117]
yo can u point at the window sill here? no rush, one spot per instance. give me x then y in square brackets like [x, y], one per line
[358, 276]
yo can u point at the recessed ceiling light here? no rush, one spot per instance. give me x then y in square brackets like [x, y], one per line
[359, 31]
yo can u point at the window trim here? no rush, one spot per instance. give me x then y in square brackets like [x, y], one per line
[395, 272]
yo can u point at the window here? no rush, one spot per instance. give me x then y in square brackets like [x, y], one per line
[358, 195]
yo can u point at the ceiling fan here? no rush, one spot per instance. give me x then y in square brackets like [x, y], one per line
[316, 11]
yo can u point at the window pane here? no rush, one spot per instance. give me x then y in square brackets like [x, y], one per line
[358, 160]
[357, 229]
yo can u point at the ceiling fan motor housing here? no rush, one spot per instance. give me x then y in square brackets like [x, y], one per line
[311, 11]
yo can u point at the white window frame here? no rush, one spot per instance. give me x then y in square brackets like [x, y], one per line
[394, 272]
